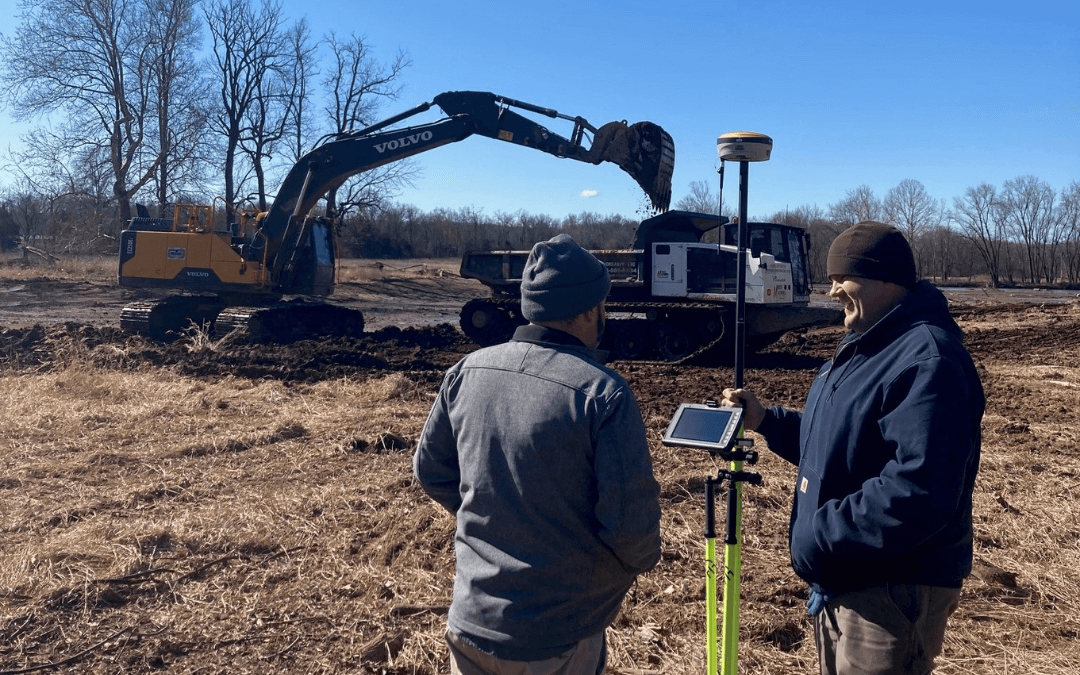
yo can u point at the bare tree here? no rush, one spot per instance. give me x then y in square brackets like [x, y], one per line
[276, 120]
[700, 200]
[982, 219]
[89, 62]
[911, 209]
[1053, 230]
[594, 231]
[1029, 205]
[9, 227]
[246, 43]
[298, 81]
[49, 171]
[265, 122]
[26, 214]
[860, 204]
[526, 229]
[941, 252]
[179, 95]
[1070, 220]
[358, 85]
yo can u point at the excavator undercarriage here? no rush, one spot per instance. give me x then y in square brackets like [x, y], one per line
[635, 330]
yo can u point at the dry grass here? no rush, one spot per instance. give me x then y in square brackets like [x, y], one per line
[363, 270]
[233, 517]
[103, 268]
[153, 522]
[66, 268]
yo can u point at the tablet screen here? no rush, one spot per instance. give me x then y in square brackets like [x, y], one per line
[702, 424]
[707, 427]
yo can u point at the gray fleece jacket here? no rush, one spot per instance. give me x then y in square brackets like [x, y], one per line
[540, 453]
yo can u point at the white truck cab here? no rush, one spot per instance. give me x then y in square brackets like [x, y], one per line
[705, 271]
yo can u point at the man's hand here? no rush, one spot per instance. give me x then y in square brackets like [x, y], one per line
[753, 411]
[817, 600]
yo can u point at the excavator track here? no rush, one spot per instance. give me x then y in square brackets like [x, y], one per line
[674, 332]
[168, 319]
[637, 331]
[291, 321]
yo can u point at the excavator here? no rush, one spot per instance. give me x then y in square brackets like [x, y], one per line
[268, 272]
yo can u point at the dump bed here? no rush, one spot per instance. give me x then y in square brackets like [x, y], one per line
[501, 270]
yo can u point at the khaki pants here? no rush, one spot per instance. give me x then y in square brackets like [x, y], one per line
[585, 658]
[897, 629]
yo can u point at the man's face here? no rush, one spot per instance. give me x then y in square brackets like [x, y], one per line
[864, 301]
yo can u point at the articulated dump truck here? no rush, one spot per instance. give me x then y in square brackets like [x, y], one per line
[673, 294]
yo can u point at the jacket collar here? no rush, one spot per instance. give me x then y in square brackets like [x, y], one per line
[537, 334]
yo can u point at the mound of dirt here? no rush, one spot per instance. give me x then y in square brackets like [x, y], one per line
[422, 352]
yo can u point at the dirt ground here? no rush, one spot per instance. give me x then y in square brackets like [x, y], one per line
[392, 293]
[1020, 611]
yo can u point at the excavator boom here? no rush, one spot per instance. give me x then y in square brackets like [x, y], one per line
[643, 150]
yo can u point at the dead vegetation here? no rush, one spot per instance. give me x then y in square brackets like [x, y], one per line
[35, 264]
[164, 513]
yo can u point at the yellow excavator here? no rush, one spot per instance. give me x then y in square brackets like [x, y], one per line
[269, 272]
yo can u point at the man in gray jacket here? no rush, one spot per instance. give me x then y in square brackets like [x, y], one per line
[540, 453]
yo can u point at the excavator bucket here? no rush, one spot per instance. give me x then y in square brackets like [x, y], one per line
[643, 150]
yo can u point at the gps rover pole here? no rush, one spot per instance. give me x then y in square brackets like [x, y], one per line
[743, 147]
[710, 574]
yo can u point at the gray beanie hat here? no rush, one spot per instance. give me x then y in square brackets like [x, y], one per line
[872, 250]
[561, 280]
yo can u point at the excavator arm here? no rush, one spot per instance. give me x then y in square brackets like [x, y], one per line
[643, 150]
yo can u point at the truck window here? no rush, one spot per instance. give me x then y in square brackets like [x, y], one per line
[800, 277]
[710, 272]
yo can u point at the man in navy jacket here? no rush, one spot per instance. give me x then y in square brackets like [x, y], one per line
[888, 448]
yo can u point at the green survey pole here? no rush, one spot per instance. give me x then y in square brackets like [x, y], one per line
[729, 646]
[710, 574]
[744, 147]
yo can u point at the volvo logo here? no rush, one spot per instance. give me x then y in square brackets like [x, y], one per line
[404, 141]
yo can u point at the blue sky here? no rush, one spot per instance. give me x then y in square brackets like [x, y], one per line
[949, 93]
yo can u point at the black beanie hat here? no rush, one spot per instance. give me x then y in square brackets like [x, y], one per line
[872, 250]
[561, 280]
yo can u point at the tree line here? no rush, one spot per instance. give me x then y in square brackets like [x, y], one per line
[131, 113]
[1023, 232]
[404, 231]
